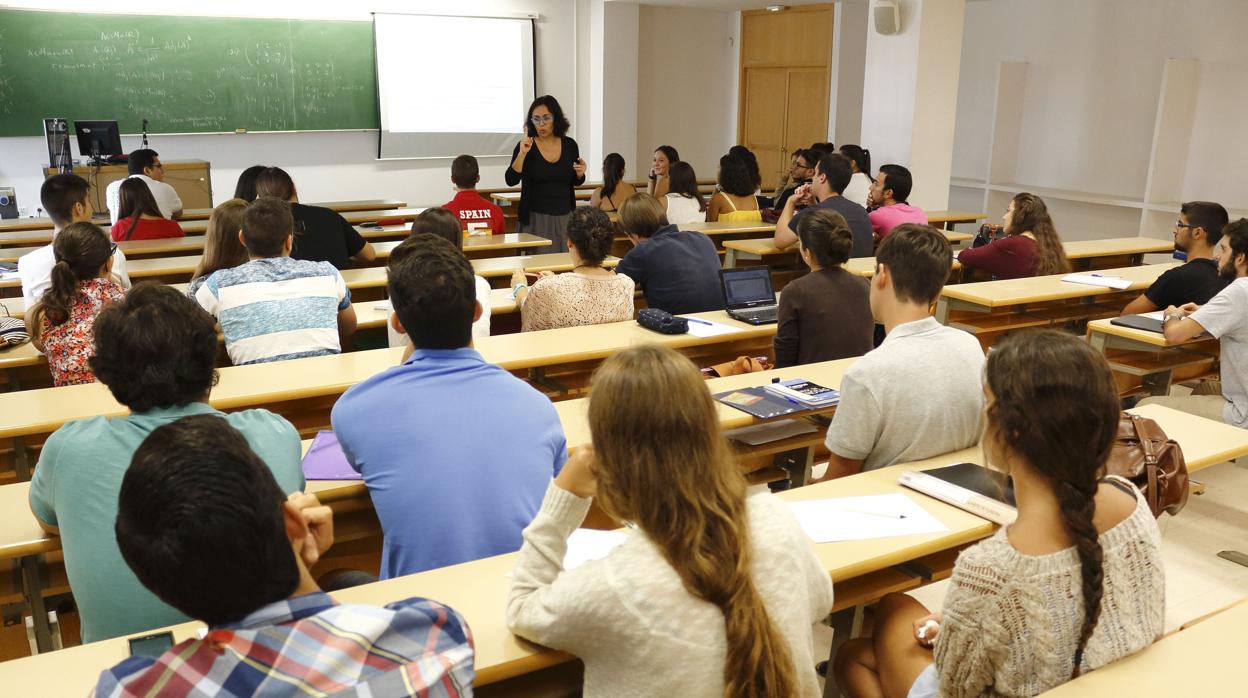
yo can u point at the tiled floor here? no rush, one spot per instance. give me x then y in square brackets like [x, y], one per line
[1198, 582]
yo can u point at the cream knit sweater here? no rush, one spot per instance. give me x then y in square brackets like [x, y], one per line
[1010, 622]
[630, 619]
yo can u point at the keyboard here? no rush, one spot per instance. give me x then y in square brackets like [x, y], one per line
[756, 316]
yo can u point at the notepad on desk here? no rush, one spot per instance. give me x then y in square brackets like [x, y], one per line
[969, 487]
[1116, 282]
[326, 461]
[707, 328]
[863, 518]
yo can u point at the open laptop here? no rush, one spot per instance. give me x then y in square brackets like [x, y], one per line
[748, 294]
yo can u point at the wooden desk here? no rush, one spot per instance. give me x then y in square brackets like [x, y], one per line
[1148, 357]
[478, 590]
[761, 248]
[952, 218]
[989, 308]
[1206, 659]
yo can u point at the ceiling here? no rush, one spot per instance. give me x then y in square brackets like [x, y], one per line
[728, 5]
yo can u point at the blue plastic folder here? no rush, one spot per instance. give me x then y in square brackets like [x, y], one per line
[326, 461]
[760, 402]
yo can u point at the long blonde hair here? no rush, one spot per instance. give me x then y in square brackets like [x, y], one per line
[222, 248]
[664, 465]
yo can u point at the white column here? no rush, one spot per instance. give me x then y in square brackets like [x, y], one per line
[606, 79]
[910, 94]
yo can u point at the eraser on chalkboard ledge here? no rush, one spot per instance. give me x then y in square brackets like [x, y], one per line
[240, 130]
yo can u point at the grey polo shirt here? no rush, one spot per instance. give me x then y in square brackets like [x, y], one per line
[918, 395]
[1225, 316]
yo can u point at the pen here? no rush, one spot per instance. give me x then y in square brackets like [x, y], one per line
[873, 513]
[699, 321]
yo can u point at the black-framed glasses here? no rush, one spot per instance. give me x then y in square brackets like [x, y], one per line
[112, 249]
[539, 120]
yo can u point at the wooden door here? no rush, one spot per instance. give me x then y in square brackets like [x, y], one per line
[786, 60]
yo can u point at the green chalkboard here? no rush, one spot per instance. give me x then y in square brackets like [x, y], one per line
[185, 74]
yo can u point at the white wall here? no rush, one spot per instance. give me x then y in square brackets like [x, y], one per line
[849, 64]
[686, 86]
[1093, 80]
[888, 89]
[326, 166]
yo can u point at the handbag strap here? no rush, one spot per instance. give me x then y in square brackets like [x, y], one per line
[1146, 443]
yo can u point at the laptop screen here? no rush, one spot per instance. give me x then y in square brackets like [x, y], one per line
[747, 287]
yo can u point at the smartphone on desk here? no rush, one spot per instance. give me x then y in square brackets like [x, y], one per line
[152, 645]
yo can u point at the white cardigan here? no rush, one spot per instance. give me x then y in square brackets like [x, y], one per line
[630, 619]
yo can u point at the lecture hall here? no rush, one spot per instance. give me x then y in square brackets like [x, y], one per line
[553, 348]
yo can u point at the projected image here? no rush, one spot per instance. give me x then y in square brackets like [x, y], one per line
[452, 84]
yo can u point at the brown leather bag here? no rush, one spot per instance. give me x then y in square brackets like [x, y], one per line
[1143, 454]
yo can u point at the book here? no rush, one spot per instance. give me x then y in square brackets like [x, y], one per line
[760, 403]
[805, 392]
[969, 487]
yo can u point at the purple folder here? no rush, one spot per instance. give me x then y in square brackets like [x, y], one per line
[326, 461]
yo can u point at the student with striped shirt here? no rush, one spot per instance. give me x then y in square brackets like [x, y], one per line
[271, 630]
[273, 307]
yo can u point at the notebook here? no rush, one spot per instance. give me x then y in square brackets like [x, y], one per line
[805, 392]
[968, 486]
[326, 461]
[1148, 322]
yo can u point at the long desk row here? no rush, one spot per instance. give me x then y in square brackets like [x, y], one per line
[21, 238]
[862, 570]
[196, 214]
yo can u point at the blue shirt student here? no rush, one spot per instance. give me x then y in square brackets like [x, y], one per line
[456, 453]
[677, 270]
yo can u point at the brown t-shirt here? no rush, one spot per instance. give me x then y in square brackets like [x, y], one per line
[824, 315]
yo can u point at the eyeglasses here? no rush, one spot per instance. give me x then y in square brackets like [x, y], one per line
[539, 120]
[112, 249]
[1181, 224]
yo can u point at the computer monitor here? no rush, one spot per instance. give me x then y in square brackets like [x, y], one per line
[98, 139]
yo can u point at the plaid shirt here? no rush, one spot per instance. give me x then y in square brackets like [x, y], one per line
[311, 646]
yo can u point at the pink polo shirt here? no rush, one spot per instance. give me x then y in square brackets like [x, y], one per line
[885, 218]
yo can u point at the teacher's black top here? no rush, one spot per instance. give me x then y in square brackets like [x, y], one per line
[546, 187]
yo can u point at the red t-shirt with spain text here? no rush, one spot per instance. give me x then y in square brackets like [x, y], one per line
[476, 214]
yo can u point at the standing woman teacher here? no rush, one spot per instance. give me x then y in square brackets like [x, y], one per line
[547, 165]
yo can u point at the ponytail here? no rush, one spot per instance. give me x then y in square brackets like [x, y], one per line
[612, 173]
[80, 250]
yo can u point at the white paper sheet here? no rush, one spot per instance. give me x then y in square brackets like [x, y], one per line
[707, 328]
[864, 518]
[771, 431]
[1098, 280]
[586, 544]
[1158, 315]
[382, 305]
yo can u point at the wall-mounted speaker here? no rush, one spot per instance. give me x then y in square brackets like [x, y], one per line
[887, 17]
[56, 131]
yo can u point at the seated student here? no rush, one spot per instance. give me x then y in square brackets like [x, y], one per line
[273, 307]
[455, 451]
[321, 234]
[144, 165]
[859, 188]
[1074, 584]
[801, 171]
[271, 630]
[64, 198]
[589, 295]
[1030, 247]
[1224, 318]
[683, 202]
[664, 157]
[735, 200]
[1196, 232]
[223, 244]
[887, 205]
[919, 393]
[832, 173]
[60, 323]
[139, 217]
[751, 164]
[677, 270]
[826, 314]
[245, 189]
[155, 351]
[444, 224]
[476, 214]
[614, 189]
[714, 593]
